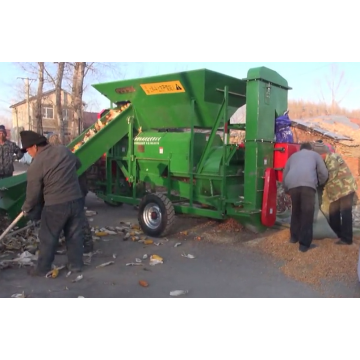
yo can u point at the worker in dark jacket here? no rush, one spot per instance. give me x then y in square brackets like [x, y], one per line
[304, 172]
[88, 240]
[9, 151]
[52, 178]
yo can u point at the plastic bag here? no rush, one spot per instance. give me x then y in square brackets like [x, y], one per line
[322, 229]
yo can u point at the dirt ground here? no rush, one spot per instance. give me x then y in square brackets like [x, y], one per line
[228, 264]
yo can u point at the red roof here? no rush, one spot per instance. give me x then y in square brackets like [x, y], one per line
[355, 121]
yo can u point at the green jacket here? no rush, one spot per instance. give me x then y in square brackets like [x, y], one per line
[341, 182]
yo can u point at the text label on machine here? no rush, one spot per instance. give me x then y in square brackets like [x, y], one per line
[169, 87]
[147, 141]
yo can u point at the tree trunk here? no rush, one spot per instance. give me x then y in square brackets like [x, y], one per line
[77, 94]
[58, 103]
[38, 105]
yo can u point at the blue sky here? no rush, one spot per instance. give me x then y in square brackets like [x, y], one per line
[304, 78]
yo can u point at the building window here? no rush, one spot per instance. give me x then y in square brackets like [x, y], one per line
[48, 113]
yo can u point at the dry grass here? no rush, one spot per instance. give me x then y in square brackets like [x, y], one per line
[327, 262]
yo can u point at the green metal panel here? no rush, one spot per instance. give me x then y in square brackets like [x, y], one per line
[157, 152]
[12, 195]
[158, 104]
[267, 98]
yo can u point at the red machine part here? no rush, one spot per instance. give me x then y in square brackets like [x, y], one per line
[102, 113]
[282, 155]
[269, 209]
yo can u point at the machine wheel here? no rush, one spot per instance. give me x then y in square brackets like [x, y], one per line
[156, 215]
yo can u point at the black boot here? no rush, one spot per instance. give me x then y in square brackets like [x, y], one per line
[305, 249]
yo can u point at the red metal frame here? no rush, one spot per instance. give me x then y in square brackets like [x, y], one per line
[269, 206]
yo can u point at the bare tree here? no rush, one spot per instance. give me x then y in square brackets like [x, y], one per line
[76, 79]
[58, 102]
[338, 87]
[77, 95]
[39, 95]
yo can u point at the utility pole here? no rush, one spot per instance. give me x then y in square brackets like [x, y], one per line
[27, 94]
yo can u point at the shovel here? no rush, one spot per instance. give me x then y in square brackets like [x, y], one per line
[13, 224]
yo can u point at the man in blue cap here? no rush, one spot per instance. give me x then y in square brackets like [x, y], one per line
[52, 181]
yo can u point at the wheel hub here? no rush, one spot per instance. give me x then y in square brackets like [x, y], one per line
[152, 216]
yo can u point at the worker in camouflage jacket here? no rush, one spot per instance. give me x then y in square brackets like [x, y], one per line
[341, 190]
[9, 151]
[88, 240]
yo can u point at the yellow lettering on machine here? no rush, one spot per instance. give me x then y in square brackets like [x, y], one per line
[169, 87]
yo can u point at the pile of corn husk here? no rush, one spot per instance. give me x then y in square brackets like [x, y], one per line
[21, 245]
[326, 262]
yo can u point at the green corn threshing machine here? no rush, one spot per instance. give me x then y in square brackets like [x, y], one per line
[168, 150]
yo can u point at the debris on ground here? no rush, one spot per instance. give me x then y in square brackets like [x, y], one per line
[106, 264]
[22, 295]
[53, 274]
[90, 213]
[134, 264]
[25, 239]
[230, 225]
[24, 259]
[143, 284]
[326, 262]
[188, 256]
[156, 260]
[78, 278]
[177, 293]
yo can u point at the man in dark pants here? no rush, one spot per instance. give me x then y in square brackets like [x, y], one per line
[8, 150]
[304, 172]
[340, 189]
[87, 235]
[52, 179]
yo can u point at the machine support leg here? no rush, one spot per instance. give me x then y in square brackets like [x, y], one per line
[191, 170]
[226, 139]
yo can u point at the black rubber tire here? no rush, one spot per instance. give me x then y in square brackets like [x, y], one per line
[167, 212]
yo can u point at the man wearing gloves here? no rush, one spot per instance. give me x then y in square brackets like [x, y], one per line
[52, 179]
[304, 172]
